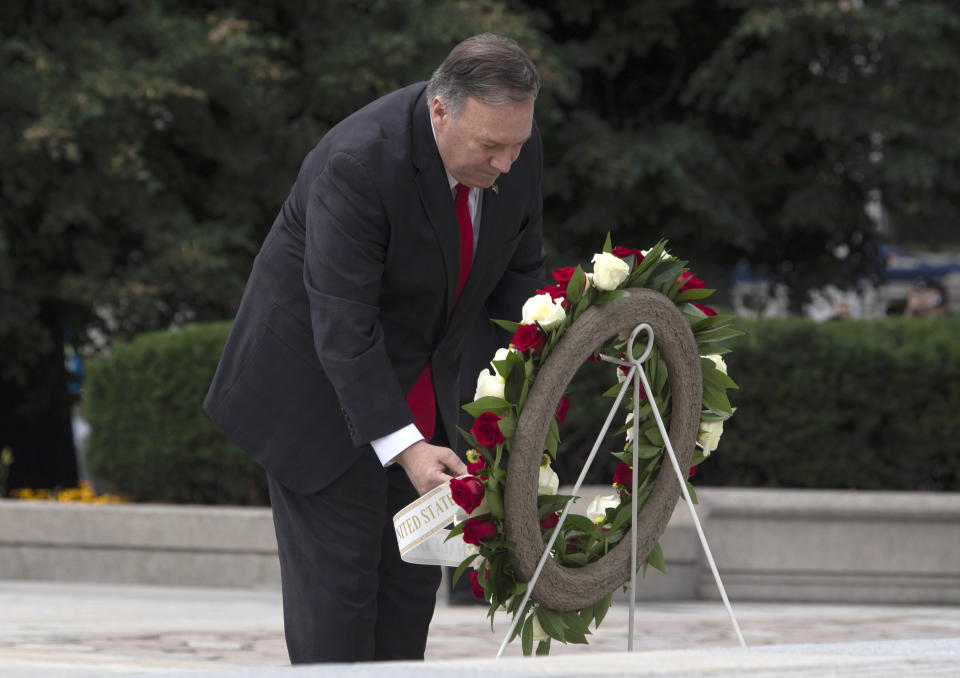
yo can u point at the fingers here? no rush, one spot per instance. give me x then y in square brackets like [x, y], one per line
[452, 462]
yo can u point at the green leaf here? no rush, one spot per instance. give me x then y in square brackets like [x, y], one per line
[715, 376]
[715, 398]
[652, 433]
[503, 367]
[550, 621]
[553, 438]
[494, 504]
[578, 558]
[469, 437]
[526, 637]
[508, 325]
[550, 503]
[575, 521]
[644, 451]
[715, 335]
[575, 622]
[612, 391]
[666, 271]
[543, 648]
[655, 559]
[462, 567]
[610, 295]
[600, 610]
[507, 426]
[572, 637]
[455, 531]
[693, 493]
[499, 543]
[575, 286]
[608, 243]
[487, 404]
[693, 295]
[583, 304]
[513, 389]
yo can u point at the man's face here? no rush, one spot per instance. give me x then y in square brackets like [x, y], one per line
[480, 142]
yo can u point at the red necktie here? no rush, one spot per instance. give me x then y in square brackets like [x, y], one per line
[421, 399]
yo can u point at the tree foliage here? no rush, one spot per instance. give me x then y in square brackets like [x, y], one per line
[145, 147]
[756, 130]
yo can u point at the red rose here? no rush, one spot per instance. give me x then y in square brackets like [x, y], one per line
[467, 492]
[624, 252]
[563, 275]
[475, 585]
[594, 358]
[623, 476]
[690, 282]
[474, 467]
[549, 521]
[706, 309]
[692, 472]
[487, 430]
[556, 292]
[562, 408]
[529, 337]
[476, 530]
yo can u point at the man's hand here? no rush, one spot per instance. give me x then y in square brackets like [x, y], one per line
[428, 465]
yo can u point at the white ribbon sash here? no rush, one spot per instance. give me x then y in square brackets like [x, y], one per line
[421, 530]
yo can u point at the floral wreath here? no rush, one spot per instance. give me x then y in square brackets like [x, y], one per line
[500, 398]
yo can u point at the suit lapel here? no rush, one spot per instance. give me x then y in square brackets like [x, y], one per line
[435, 195]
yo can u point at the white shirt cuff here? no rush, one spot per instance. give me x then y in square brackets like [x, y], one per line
[389, 446]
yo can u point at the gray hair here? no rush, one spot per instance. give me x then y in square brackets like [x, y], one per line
[490, 67]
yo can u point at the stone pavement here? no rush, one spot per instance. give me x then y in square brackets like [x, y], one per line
[59, 630]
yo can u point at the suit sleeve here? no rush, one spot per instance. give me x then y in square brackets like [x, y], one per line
[345, 250]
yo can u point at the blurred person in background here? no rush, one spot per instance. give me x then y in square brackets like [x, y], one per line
[927, 299]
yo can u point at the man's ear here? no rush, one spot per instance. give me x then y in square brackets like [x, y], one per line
[438, 113]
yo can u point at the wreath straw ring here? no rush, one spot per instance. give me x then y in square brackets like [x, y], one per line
[566, 588]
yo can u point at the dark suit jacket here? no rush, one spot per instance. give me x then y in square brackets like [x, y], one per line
[352, 293]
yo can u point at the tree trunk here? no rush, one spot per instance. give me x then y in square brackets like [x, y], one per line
[35, 418]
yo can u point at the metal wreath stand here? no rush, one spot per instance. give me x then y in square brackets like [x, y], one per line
[562, 588]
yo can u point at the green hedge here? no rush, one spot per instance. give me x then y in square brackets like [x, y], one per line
[150, 438]
[869, 404]
[850, 404]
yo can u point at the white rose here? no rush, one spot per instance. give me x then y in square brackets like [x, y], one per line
[718, 362]
[597, 510]
[629, 430]
[538, 633]
[709, 435]
[544, 310]
[489, 385]
[609, 271]
[665, 255]
[501, 354]
[547, 481]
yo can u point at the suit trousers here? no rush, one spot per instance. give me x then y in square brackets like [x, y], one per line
[347, 595]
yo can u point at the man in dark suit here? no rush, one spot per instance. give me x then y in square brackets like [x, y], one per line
[340, 375]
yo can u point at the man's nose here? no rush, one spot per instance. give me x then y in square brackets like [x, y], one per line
[502, 161]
